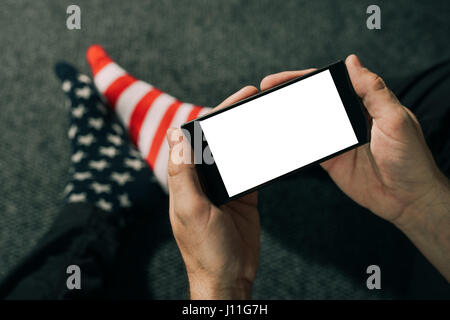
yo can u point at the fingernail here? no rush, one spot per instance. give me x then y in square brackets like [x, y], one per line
[173, 136]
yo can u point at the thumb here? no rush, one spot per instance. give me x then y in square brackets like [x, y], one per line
[379, 101]
[184, 185]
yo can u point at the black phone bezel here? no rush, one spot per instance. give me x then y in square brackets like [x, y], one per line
[209, 175]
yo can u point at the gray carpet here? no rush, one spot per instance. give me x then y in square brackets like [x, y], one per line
[202, 51]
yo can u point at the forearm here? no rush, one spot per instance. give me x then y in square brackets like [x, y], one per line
[428, 227]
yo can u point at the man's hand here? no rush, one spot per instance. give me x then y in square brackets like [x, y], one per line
[394, 175]
[395, 172]
[219, 245]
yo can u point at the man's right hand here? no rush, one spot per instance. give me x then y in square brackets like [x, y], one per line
[394, 175]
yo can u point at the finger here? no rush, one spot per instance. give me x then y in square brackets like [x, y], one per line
[379, 101]
[245, 92]
[278, 78]
[184, 186]
[342, 158]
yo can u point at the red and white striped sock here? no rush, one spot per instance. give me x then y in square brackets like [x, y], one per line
[146, 111]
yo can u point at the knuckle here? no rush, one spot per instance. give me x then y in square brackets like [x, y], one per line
[377, 83]
[196, 206]
[183, 218]
[400, 118]
[172, 168]
[199, 204]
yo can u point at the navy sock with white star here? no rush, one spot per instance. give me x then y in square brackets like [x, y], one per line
[107, 170]
[100, 227]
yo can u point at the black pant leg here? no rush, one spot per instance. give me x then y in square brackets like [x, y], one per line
[82, 235]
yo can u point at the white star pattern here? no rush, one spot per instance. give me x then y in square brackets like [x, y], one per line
[103, 204]
[96, 123]
[83, 92]
[84, 78]
[77, 197]
[124, 201]
[101, 188]
[121, 178]
[105, 166]
[135, 164]
[66, 86]
[86, 140]
[72, 131]
[98, 165]
[77, 156]
[110, 152]
[116, 140]
[81, 176]
[134, 152]
[78, 111]
[117, 128]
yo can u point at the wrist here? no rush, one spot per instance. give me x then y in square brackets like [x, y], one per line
[428, 226]
[206, 289]
[428, 209]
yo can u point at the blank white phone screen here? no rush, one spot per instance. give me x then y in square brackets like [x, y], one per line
[278, 133]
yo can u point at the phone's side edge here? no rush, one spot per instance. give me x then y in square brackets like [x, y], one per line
[213, 188]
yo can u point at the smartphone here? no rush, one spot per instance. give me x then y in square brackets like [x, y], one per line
[277, 132]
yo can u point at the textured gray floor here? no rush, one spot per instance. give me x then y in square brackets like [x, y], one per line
[201, 51]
